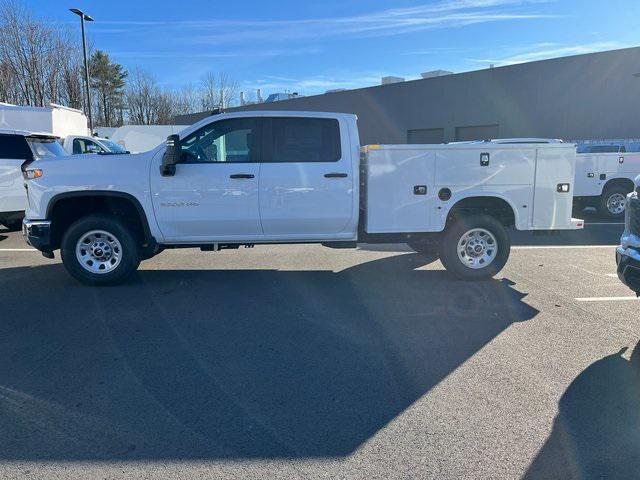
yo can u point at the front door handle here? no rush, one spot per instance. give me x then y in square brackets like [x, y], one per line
[242, 175]
[335, 175]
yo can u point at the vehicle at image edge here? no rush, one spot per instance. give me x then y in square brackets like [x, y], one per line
[16, 148]
[628, 252]
[248, 178]
[79, 144]
[604, 178]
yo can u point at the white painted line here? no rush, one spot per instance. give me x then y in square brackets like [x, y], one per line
[607, 299]
[613, 275]
[555, 247]
[603, 223]
[18, 250]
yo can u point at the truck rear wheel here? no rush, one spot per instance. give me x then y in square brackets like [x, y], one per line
[612, 202]
[99, 250]
[475, 247]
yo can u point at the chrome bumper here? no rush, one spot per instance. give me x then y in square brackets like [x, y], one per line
[37, 233]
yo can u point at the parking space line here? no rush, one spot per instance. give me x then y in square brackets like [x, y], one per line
[556, 247]
[18, 250]
[607, 299]
[603, 223]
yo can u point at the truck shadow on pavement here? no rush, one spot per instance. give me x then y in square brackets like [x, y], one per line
[596, 433]
[232, 363]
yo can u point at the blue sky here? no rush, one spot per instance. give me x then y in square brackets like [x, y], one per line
[310, 47]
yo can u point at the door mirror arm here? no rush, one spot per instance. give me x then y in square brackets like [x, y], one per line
[171, 156]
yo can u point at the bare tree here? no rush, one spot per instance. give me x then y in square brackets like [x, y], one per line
[218, 88]
[140, 98]
[37, 63]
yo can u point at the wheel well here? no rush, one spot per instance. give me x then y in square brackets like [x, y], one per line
[67, 210]
[493, 206]
[625, 183]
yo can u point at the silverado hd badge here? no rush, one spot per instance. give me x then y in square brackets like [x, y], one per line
[179, 204]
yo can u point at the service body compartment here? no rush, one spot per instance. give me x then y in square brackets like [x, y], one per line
[395, 177]
[412, 188]
[464, 166]
[552, 206]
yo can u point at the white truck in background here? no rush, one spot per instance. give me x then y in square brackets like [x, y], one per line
[79, 144]
[139, 138]
[16, 148]
[603, 180]
[246, 178]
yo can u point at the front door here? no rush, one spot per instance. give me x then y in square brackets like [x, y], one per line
[213, 195]
[307, 181]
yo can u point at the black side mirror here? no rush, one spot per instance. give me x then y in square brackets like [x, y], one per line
[171, 156]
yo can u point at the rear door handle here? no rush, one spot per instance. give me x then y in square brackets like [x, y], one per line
[335, 175]
[242, 175]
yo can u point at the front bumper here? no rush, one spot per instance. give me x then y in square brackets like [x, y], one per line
[628, 261]
[37, 233]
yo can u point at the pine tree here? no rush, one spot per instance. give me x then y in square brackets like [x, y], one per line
[108, 81]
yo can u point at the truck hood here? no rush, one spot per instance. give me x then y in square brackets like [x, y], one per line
[91, 163]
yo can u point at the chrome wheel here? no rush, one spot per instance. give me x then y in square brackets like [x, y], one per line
[99, 251]
[477, 248]
[615, 204]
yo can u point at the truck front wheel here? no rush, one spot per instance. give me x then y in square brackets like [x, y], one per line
[475, 247]
[99, 250]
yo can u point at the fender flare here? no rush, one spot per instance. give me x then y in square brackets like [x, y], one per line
[148, 237]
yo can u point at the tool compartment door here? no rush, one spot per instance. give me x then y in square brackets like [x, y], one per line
[552, 208]
[399, 190]
[484, 166]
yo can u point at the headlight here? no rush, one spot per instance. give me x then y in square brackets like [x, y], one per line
[31, 173]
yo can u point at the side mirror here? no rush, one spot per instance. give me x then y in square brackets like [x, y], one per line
[171, 156]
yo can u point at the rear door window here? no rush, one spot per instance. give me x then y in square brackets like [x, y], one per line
[298, 139]
[14, 147]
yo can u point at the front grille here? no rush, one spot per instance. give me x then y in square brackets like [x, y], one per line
[633, 204]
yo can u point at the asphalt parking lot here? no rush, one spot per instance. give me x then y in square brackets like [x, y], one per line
[306, 362]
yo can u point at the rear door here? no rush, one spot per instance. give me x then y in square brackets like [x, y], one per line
[307, 179]
[14, 151]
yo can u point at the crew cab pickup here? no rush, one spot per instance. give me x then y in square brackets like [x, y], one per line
[16, 148]
[245, 178]
[628, 252]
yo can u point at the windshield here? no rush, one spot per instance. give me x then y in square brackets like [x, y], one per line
[113, 146]
[45, 147]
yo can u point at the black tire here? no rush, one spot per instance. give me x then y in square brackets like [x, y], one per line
[604, 205]
[129, 256]
[453, 235]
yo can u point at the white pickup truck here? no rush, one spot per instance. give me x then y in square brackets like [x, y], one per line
[78, 144]
[603, 180]
[248, 178]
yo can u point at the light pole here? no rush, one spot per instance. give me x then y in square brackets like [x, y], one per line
[83, 16]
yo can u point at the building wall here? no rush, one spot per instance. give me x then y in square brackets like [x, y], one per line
[581, 97]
